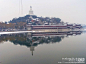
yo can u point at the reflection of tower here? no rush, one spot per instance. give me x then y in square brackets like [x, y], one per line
[32, 49]
[31, 11]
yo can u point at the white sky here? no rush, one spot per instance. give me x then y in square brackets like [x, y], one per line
[72, 11]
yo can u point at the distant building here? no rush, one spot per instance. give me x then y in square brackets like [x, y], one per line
[30, 11]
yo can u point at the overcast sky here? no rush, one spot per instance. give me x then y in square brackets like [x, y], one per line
[72, 11]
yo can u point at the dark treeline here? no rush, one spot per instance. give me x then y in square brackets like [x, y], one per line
[21, 19]
[34, 18]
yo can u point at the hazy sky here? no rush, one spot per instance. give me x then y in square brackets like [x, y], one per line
[72, 11]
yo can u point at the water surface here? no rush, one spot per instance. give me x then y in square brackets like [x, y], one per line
[30, 49]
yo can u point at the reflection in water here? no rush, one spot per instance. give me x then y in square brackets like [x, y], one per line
[34, 39]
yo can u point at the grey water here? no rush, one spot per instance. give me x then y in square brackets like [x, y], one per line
[33, 49]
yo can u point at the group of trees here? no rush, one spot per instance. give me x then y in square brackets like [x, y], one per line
[21, 19]
[41, 19]
[18, 25]
[21, 22]
[5, 26]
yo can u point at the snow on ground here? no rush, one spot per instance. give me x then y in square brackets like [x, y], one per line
[17, 32]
